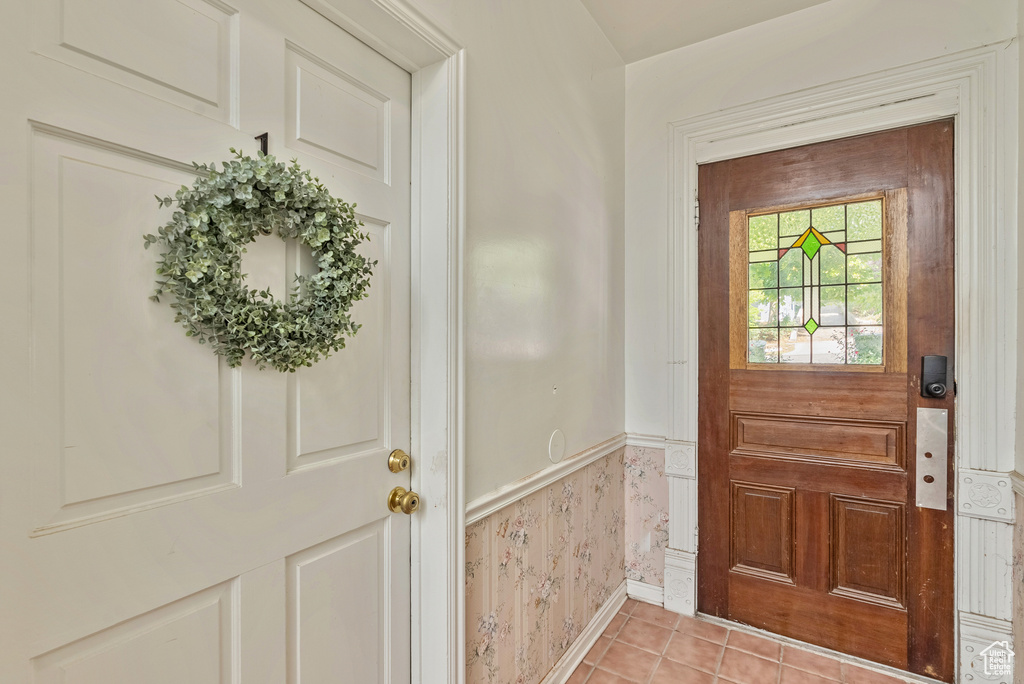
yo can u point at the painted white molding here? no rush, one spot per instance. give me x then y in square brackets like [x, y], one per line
[978, 87]
[984, 570]
[438, 370]
[681, 459]
[682, 514]
[648, 593]
[493, 501]
[976, 634]
[1017, 480]
[681, 581]
[407, 37]
[645, 441]
[986, 495]
[578, 650]
[394, 28]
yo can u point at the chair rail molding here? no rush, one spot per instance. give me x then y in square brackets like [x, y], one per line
[979, 89]
[493, 501]
[410, 39]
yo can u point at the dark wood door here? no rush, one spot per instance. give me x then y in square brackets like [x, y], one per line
[826, 273]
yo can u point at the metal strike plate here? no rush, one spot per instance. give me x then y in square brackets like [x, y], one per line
[932, 450]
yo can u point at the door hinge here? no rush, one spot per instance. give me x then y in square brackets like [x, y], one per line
[696, 213]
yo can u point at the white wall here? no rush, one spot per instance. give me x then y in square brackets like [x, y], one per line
[1019, 465]
[822, 44]
[544, 237]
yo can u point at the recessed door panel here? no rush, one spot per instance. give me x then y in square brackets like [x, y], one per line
[139, 413]
[762, 531]
[338, 617]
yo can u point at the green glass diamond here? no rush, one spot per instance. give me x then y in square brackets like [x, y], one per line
[810, 326]
[811, 245]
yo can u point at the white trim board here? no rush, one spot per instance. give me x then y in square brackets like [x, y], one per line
[648, 593]
[635, 439]
[437, 64]
[483, 506]
[979, 89]
[577, 651]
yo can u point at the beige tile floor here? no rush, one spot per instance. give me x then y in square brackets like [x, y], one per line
[650, 645]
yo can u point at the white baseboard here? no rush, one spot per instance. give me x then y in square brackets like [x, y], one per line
[648, 593]
[578, 650]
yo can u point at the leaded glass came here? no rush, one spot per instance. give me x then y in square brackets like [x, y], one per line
[815, 285]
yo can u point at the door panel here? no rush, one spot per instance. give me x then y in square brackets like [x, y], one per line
[825, 275]
[165, 518]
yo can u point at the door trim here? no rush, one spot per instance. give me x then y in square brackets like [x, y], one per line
[978, 88]
[437, 64]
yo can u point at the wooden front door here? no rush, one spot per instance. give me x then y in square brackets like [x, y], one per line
[826, 273]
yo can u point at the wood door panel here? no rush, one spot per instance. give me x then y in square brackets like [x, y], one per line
[762, 531]
[930, 314]
[820, 477]
[835, 622]
[878, 443]
[808, 465]
[713, 380]
[838, 168]
[868, 550]
[833, 395]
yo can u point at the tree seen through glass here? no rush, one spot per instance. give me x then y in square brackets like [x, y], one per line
[815, 285]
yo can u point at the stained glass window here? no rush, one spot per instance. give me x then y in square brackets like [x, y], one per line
[815, 285]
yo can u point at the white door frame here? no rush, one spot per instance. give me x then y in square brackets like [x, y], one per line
[411, 40]
[979, 89]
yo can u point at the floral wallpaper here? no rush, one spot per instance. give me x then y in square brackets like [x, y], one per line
[538, 570]
[646, 514]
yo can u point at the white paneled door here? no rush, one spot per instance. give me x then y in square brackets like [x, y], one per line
[165, 519]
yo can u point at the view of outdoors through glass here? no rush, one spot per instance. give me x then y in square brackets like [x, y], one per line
[815, 285]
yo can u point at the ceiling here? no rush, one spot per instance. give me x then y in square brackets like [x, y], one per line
[642, 28]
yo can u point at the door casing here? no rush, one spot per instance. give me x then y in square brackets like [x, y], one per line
[437, 64]
[964, 86]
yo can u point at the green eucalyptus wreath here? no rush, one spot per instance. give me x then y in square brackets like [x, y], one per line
[200, 268]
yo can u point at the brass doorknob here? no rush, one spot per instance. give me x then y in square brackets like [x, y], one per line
[398, 461]
[401, 501]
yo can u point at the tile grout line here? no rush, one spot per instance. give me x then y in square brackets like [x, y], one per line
[721, 656]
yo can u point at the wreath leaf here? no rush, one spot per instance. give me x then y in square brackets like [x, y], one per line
[200, 268]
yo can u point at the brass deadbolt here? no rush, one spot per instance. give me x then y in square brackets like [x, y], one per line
[401, 501]
[398, 461]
